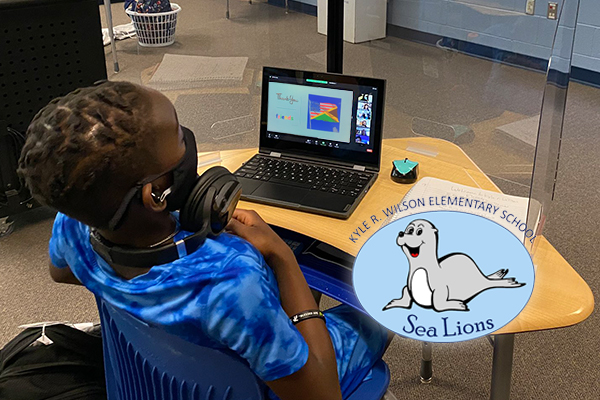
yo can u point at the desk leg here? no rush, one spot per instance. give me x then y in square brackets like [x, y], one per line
[426, 363]
[502, 366]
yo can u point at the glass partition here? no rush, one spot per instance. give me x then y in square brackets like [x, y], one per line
[485, 77]
[550, 130]
[212, 72]
[488, 78]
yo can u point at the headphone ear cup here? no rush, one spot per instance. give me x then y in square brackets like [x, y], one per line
[195, 215]
[225, 203]
[191, 215]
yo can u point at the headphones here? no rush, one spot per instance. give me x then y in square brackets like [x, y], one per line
[206, 211]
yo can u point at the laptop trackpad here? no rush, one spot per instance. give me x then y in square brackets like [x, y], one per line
[275, 191]
[328, 201]
[248, 185]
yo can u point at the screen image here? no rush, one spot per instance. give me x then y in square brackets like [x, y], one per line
[324, 113]
[310, 111]
[322, 116]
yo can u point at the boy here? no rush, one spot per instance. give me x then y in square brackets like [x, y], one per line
[238, 291]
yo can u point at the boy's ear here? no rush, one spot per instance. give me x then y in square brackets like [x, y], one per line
[150, 203]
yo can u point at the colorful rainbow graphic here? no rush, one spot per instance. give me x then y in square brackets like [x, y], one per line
[323, 113]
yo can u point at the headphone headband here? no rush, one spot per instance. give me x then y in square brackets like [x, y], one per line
[206, 212]
[145, 258]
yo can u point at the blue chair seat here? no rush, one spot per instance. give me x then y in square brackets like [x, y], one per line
[144, 362]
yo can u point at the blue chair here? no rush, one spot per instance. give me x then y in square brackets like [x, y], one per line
[144, 362]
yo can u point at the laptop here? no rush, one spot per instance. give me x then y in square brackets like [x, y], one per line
[320, 142]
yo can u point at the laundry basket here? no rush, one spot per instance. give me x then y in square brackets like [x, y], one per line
[155, 29]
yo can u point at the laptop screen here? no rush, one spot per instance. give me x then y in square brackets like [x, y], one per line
[327, 116]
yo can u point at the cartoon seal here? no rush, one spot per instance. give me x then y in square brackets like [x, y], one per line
[446, 283]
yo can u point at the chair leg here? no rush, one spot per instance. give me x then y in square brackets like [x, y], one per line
[287, 7]
[227, 12]
[426, 363]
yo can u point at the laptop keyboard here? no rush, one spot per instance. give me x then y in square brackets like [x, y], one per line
[309, 176]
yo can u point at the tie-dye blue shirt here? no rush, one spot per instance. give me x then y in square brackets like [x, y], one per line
[223, 296]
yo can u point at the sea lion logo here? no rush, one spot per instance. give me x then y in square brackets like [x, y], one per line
[443, 276]
[446, 283]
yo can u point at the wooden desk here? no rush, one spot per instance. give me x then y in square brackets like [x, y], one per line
[560, 297]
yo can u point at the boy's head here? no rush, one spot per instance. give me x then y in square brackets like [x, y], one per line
[86, 150]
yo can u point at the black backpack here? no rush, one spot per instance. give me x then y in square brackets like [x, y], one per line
[71, 368]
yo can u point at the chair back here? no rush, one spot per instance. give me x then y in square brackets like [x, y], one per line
[144, 362]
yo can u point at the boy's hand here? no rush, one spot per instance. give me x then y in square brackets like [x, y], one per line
[248, 225]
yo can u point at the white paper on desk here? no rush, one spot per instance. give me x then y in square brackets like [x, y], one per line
[433, 187]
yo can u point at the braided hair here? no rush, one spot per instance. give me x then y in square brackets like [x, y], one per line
[86, 149]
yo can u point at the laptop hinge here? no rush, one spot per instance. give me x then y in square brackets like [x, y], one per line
[359, 167]
[275, 154]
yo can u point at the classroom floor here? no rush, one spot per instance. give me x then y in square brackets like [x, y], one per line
[431, 92]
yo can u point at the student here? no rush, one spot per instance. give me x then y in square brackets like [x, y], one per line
[85, 151]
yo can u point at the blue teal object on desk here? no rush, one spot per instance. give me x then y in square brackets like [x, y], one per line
[405, 171]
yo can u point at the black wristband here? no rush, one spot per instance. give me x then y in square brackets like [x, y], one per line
[304, 315]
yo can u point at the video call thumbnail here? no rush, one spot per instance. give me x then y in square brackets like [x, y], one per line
[363, 136]
[363, 119]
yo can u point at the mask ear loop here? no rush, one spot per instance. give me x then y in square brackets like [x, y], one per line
[117, 218]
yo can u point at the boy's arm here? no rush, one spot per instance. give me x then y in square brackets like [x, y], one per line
[317, 379]
[62, 275]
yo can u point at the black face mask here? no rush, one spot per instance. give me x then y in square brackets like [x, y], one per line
[185, 176]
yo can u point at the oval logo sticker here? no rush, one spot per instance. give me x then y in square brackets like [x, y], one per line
[443, 276]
